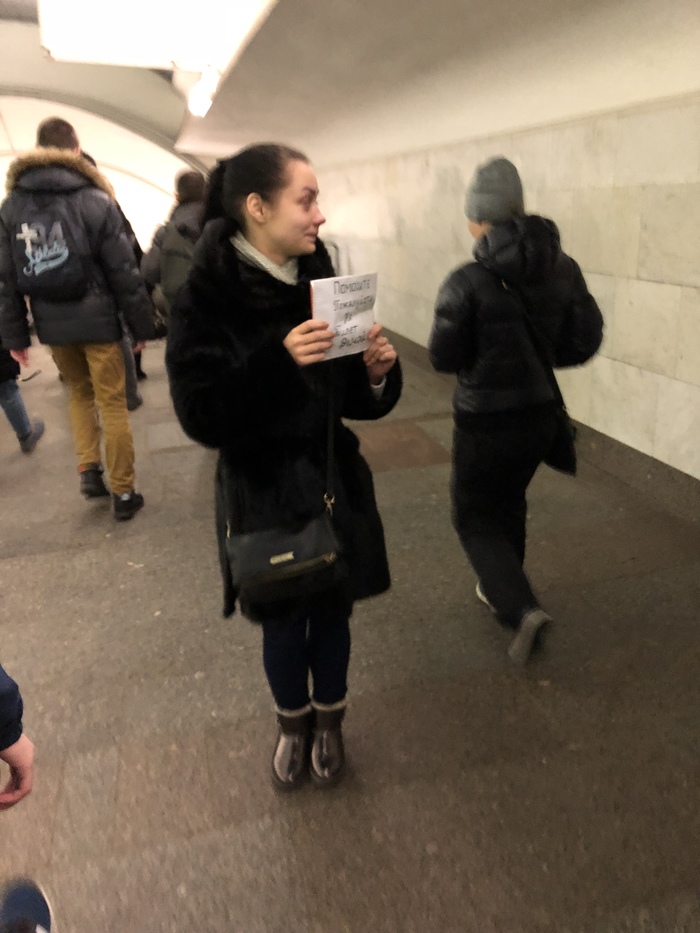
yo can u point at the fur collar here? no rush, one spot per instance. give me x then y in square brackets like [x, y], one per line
[63, 158]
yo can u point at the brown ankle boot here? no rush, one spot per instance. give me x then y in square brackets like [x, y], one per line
[290, 759]
[328, 751]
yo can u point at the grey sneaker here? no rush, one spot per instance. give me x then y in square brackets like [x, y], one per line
[29, 441]
[531, 626]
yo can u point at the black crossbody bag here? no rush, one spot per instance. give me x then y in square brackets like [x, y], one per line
[562, 454]
[291, 563]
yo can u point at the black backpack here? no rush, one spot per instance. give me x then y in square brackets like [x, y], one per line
[51, 251]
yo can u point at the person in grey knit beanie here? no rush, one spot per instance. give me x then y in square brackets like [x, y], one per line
[492, 316]
[495, 193]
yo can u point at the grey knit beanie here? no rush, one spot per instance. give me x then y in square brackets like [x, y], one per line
[495, 194]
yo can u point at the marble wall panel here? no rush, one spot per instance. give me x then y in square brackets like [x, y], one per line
[659, 147]
[646, 325]
[688, 363]
[605, 230]
[669, 248]
[583, 154]
[623, 403]
[677, 434]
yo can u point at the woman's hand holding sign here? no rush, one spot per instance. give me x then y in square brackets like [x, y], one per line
[379, 357]
[309, 342]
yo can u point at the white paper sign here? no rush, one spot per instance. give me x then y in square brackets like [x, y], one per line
[346, 303]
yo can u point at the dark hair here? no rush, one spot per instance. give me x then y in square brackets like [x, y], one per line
[189, 186]
[56, 133]
[259, 169]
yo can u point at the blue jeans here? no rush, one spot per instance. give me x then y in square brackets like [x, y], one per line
[13, 406]
[314, 641]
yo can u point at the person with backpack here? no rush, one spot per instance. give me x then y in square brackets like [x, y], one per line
[63, 246]
[501, 323]
[166, 264]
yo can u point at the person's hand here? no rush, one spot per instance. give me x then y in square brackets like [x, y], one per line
[379, 357]
[140, 346]
[20, 758]
[309, 342]
[20, 356]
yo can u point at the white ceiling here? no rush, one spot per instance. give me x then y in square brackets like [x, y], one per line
[354, 79]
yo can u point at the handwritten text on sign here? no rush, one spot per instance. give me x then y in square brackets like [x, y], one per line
[346, 303]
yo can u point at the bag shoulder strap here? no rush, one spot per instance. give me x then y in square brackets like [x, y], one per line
[329, 495]
[537, 344]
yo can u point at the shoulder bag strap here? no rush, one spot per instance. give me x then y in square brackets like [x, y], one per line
[329, 496]
[537, 344]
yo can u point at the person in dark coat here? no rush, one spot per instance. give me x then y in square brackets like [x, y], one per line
[166, 264]
[16, 750]
[28, 432]
[247, 377]
[504, 406]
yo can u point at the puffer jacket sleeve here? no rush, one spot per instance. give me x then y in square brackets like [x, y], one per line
[11, 710]
[118, 264]
[226, 384]
[451, 345]
[581, 331]
[14, 326]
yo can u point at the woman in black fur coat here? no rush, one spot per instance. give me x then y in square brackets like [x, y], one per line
[245, 361]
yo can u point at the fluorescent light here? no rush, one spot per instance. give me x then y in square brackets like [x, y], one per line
[200, 98]
[150, 33]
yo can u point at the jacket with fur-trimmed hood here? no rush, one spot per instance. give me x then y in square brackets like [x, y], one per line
[115, 289]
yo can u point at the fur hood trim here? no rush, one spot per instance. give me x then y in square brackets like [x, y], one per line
[63, 158]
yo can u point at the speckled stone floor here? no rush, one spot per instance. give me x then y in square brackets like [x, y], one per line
[480, 798]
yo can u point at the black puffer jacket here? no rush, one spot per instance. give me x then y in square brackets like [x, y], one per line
[235, 387]
[11, 710]
[479, 332]
[116, 287]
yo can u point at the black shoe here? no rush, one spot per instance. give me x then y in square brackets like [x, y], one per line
[127, 505]
[24, 907]
[290, 759]
[92, 486]
[136, 403]
[29, 441]
[328, 751]
[141, 375]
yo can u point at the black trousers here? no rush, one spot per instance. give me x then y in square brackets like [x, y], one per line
[314, 641]
[492, 468]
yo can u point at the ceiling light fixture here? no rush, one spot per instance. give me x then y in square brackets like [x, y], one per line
[200, 98]
[213, 35]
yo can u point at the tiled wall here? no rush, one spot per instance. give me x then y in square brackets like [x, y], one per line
[624, 189]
